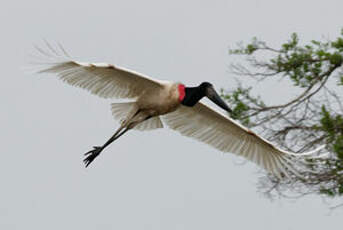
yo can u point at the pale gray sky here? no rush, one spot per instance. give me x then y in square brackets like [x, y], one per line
[150, 180]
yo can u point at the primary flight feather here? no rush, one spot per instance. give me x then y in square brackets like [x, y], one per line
[178, 106]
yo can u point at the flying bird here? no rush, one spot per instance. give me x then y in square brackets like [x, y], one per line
[156, 103]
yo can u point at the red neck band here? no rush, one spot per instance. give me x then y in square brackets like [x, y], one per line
[182, 92]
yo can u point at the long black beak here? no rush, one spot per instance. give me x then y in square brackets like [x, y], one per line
[213, 96]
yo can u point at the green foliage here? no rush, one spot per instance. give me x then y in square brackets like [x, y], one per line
[333, 127]
[248, 49]
[311, 115]
[304, 65]
[239, 108]
[328, 192]
[239, 100]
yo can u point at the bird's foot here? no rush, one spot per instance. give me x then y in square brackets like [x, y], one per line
[91, 155]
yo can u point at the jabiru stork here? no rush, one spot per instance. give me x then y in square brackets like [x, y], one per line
[177, 105]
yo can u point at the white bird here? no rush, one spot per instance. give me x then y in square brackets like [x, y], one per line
[178, 106]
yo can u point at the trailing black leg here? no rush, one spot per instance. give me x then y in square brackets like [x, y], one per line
[91, 155]
[126, 126]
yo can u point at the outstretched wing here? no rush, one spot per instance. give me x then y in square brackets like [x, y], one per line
[104, 80]
[206, 125]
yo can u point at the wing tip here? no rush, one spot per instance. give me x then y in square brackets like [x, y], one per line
[307, 153]
[49, 50]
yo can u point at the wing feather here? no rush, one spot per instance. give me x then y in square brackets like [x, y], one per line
[104, 80]
[211, 127]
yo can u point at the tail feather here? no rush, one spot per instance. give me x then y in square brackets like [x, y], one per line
[150, 124]
[123, 111]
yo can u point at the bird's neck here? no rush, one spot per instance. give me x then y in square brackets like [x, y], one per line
[192, 96]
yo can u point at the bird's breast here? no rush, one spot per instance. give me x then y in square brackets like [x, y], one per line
[161, 101]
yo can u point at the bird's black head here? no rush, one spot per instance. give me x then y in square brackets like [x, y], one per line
[195, 94]
[205, 85]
